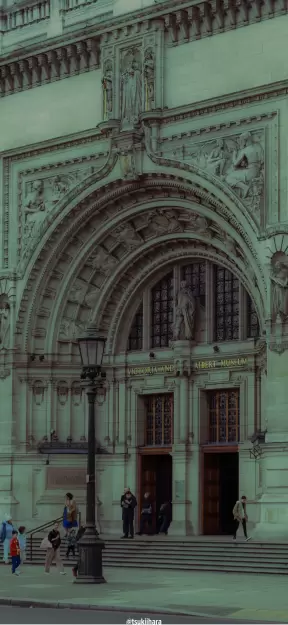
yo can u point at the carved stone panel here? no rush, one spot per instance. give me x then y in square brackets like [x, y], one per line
[65, 478]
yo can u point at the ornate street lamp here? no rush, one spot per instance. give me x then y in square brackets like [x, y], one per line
[91, 349]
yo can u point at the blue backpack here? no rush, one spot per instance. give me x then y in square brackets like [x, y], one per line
[3, 533]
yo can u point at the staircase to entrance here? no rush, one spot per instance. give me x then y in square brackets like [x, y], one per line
[179, 554]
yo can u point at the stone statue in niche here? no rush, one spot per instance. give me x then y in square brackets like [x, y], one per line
[149, 80]
[279, 283]
[4, 321]
[107, 85]
[128, 236]
[131, 87]
[184, 328]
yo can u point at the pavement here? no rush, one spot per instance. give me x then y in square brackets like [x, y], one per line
[35, 616]
[206, 595]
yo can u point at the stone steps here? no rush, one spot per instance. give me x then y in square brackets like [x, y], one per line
[198, 555]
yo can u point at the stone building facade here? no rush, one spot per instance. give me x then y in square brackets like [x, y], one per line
[145, 194]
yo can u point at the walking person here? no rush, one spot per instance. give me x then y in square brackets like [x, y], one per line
[128, 504]
[80, 533]
[240, 516]
[146, 515]
[70, 513]
[22, 543]
[15, 553]
[71, 543]
[166, 517]
[7, 529]
[53, 551]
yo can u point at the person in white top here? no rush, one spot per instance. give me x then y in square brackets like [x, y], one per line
[240, 516]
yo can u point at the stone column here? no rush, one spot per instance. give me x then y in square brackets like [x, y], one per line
[178, 527]
[184, 409]
[6, 443]
[273, 503]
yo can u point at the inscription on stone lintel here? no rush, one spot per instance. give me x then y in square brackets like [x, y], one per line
[66, 478]
[228, 363]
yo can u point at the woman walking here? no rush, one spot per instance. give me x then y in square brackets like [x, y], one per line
[53, 551]
[22, 543]
[6, 536]
[69, 513]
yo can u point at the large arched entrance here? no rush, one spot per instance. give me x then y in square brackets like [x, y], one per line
[117, 259]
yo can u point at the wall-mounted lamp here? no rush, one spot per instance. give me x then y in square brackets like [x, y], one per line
[151, 355]
[41, 358]
[216, 349]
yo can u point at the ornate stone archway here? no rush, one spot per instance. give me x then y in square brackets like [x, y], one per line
[154, 211]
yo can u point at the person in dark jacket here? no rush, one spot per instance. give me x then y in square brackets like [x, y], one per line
[146, 514]
[166, 517]
[128, 504]
[80, 533]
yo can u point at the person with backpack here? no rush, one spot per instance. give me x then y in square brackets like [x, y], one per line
[6, 532]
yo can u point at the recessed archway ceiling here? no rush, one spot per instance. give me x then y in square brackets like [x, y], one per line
[92, 259]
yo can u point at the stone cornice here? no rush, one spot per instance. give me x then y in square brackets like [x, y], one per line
[77, 52]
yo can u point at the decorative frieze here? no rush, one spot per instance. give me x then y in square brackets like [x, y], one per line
[49, 66]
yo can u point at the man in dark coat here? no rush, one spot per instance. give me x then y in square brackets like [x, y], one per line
[128, 504]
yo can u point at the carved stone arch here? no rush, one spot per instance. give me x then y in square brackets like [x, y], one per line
[149, 186]
[152, 273]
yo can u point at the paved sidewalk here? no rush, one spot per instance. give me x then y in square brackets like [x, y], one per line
[211, 594]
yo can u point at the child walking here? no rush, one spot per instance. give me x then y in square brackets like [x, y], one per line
[15, 552]
[22, 543]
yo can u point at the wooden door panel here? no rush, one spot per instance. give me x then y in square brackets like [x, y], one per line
[211, 494]
[148, 485]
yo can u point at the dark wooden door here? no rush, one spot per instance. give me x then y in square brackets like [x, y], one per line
[149, 485]
[211, 495]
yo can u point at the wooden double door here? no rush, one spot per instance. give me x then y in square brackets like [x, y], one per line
[156, 479]
[220, 491]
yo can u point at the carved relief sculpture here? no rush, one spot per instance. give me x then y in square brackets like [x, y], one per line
[149, 80]
[237, 160]
[128, 164]
[102, 261]
[4, 321]
[131, 87]
[128, 236]
[279, 283]
[184, 328]
[246, 165]
[107, 85]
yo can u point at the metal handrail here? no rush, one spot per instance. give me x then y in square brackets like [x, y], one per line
[43, 527]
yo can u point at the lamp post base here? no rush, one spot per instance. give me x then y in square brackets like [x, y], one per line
[90, 568]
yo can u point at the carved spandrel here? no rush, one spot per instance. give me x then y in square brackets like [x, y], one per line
[237, 160]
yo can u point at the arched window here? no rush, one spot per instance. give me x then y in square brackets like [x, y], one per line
[195, 276]
[226, 292]
[135, 340]
[162, 314]
[252, 320]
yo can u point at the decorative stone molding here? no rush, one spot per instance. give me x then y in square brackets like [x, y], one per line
[4, 373]
[49, 65]
[182, 21]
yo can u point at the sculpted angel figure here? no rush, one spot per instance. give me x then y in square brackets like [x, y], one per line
[279, 279]
[185, 313]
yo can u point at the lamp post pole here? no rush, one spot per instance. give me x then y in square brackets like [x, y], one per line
[90, 569]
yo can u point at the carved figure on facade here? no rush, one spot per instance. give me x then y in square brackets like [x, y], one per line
[247, 162]
[128, 164]
[199, 224]
[237, 160]
[103, 261]
[71, 329]
[107, 85]
[131, 86]
[38, 392]
[184, 327]
[163, 221]
[62, 392]
[4, 321]
[149, 80]
[127, 235]
[279, 283]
